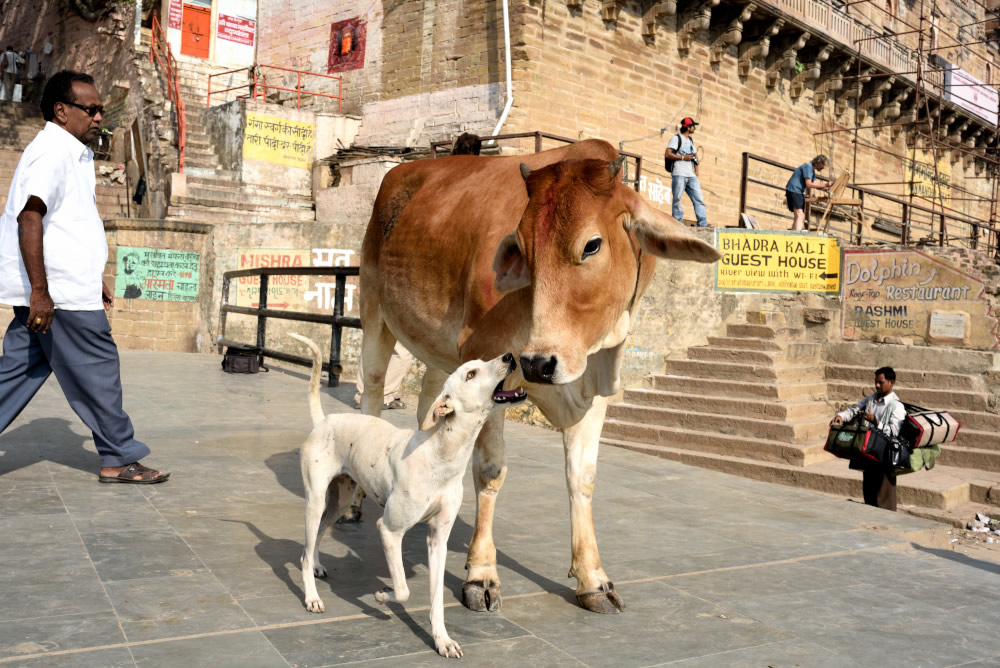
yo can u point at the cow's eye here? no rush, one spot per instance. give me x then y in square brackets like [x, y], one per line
[592, 247]
[470, 375]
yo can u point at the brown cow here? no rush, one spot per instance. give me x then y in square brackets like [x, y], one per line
[461, 261]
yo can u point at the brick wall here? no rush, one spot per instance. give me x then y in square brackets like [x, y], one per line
[576, 77]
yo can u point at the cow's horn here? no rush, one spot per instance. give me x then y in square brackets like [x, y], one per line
[525, 170]
[613, 167]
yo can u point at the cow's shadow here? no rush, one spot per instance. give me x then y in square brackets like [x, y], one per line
[363, 538]
[48, 439]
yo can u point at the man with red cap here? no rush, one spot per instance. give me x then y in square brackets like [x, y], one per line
[681, 159]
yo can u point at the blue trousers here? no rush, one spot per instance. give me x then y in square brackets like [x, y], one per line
[78, 347]
[692, 187]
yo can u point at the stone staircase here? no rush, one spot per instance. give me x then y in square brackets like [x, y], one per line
[757, 402]
[18, 126]
[215, 194]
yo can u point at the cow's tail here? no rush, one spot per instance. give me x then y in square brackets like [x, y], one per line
[315, 407]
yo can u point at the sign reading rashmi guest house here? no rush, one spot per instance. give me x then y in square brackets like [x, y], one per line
[910, 294]
[766, 261]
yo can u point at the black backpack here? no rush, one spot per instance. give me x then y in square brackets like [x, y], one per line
[668, 164]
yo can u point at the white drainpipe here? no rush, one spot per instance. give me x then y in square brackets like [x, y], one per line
[510, 88]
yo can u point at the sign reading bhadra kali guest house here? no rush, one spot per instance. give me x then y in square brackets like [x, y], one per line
[909, 294]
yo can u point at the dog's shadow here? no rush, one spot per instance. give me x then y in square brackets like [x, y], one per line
[282, 555]
[360, 537]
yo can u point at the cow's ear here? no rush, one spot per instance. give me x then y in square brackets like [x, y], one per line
[441, 407]
[509, 266]
[661, 235]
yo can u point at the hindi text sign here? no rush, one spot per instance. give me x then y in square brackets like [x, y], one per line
[236, 29]
[283, 292]
[766, 261]
[906, 293]
[157, 274]
[280, 141]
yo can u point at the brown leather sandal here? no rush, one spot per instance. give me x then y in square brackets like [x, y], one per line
[127, 475]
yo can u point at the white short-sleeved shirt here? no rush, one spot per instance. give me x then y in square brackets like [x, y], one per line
[682, 145]
[59, 170]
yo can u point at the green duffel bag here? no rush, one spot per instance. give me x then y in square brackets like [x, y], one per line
[853, 441]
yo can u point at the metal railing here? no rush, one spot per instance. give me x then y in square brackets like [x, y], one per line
[338, 321]
[900, 221]
[160, 53]
[258, 86]
[538, 136]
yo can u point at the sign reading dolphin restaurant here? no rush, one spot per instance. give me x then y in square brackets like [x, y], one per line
[913, 295]
[767, 261]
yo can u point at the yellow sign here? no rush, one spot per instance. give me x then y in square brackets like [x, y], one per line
[280, 141]
[920, 171]
[763, 261]
[905, 293]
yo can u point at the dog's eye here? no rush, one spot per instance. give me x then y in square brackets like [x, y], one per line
[470, 375]
[592, 247]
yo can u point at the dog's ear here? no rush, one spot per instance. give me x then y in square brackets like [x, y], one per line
[441, 407]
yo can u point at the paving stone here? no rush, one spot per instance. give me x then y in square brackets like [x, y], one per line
[62, 632]
[230, 650]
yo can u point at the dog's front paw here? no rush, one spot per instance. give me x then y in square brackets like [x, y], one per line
[315, 605]
[383, 595]
[447, 647]
[319, 571]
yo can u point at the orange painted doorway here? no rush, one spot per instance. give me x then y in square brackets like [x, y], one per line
[196, 31]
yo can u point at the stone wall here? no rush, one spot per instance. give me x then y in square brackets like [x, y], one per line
[144, 324]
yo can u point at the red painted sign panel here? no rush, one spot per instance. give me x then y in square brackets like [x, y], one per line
[347, 46]
[236, 29]
[175, 17]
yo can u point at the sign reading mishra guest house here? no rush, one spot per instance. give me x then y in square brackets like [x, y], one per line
[911, 295]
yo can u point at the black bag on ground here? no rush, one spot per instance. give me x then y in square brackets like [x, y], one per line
[241, 358]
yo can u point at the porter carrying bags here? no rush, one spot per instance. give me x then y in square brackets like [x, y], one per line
[923, 427]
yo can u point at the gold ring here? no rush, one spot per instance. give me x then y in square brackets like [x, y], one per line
[38, 321]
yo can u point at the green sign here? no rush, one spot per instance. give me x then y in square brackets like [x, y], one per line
[157, 274]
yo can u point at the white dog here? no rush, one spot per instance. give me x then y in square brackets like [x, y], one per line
[416, 476]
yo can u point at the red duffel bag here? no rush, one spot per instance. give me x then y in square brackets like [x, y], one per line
[923, 427]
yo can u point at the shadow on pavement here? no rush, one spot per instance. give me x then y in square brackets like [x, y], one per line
[56, 441]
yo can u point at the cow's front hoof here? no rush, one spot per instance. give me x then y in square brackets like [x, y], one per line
[481, 596]
[605, 601]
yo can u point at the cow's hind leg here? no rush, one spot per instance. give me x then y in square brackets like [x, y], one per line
[594, 590]
[481, 590]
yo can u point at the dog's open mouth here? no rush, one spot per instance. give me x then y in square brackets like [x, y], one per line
[502, 396]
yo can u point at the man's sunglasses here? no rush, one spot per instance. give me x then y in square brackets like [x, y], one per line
[91, 111]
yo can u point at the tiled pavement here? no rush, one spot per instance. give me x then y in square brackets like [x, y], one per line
[203, 570]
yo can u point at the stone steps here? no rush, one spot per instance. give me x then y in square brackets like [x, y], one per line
[246, 203]
[743, 372]
[792, 353]
[762, 331]
[905, 378]
[766, 409]
[761, 389]
[794, 454]
[208, 214]
[947, 399]
[247, 195]
[943, 487]
[799, 431]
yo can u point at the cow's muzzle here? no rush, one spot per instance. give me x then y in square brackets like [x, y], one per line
[538, 368]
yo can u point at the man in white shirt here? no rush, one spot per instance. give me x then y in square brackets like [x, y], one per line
[885, 410]
[684, 173]
[52, 257]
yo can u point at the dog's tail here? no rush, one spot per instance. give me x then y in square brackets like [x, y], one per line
[315, 407]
